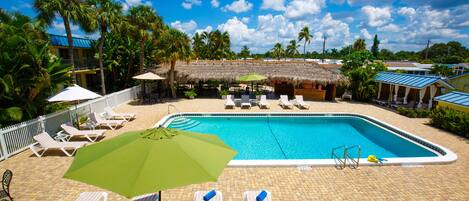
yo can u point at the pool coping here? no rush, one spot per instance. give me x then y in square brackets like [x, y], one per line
[444, 155]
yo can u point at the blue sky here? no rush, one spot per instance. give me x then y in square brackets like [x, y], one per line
[259, 24]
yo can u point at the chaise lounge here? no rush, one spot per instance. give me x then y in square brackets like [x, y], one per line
[300, 103]
[263, 102]
[263, 195]
[229, 103]
[91, 135]
[245, 102]
[46, 142]
[208, 195]
[113, 115]
[284, 103]
[97, 120]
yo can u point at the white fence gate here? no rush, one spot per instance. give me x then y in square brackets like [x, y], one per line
[18, 137]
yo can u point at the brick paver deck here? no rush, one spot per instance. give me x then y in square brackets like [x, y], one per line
[41, 178]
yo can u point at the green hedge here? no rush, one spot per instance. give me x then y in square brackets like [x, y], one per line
[414, 113]
[451, 120]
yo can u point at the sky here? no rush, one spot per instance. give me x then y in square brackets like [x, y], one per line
[259, 24]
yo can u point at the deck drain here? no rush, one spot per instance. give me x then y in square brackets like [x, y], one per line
[304, 168]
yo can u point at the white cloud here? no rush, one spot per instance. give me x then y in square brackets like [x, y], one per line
[377, 16]
[206, 29]
[406, 11]
[366, 34]
[59, 26]
[245, 20]
[186, 27]
[301, 8]
[238, 6]
[215, 3]
[187, 4]
[278, 5]
[389, 28]
[126, 4]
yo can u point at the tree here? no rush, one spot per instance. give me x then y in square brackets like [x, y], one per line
[106, 15]
[356, 60]
[306, 37]
[386, 54]
[375, 47]
[278, 51]
[292, 49]
[359, 45]
[71, 11]
[198, 46]
[442, 70]
[143, 18]
[175, 45]
[244, 52]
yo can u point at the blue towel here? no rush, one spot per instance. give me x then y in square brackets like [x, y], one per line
[262, 195]
[210, 195]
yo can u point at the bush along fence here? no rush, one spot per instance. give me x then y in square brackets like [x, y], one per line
[18, 137]
[451, 120]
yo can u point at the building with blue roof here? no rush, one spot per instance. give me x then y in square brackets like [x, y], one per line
[455, 100]
[409, 88]
[83, 53]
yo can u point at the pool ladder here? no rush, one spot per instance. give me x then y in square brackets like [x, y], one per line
[342, 162]
[181, 122]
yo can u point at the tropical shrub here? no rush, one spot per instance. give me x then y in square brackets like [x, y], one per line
[451, 120]
[190, 93]
[223, 92]
[414, 113]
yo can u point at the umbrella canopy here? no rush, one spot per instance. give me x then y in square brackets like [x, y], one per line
[251, 77]
[73, 93]
[143, 162]
[148, 76]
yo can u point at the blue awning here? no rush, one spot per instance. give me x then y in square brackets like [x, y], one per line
[61, 41]
[455, 97]
[409, 80]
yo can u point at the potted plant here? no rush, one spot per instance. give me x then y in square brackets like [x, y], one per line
[258, 95]
[223, 93]
[191, 94]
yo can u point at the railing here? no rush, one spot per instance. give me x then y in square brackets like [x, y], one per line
[16, 138]
[350, 160]
[341, 162]
[82, 64]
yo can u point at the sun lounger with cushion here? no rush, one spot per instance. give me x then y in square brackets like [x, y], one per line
[300, 103]
[113, 115]
[252, 195]
[99, 121]
[229, 103]
[46, 142]
[245, 102]
[199, 196]
[284, 103]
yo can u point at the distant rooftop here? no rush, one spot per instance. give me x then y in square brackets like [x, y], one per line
[61, 41]
[410, 80]
[455, 97]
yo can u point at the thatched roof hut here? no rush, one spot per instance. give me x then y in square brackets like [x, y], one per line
[290, 71]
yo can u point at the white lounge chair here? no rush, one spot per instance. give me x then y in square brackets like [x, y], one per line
[245, 102]
[46, 142]
[113, 115]
[146, 197]
[97, 120]
[284, 103]
[263, 102]
[300, 103]
[347, 95]
[92, 196]
[91, 135]
[199, 196]
[251, 195]
[229, 103]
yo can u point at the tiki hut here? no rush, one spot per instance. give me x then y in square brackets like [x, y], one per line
[287, 77]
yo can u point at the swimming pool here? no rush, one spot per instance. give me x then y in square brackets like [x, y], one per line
[308, 138]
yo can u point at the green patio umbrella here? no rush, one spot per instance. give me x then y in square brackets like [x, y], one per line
[143, 162]
[251, 77]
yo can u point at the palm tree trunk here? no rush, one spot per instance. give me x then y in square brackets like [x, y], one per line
[101, 67]
[171, 79]
[304, 51]
[142, 54]
[129, 69]
[70, 47]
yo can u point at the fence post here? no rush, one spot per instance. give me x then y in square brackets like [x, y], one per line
[3, 144]
[41, 120]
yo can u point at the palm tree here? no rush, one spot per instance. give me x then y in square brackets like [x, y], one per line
[106, 14]
[306, 36]
[278, 51]
[143, 18]
[244, 52]
[71, 11]
[292, 48]
[174, 45]
[359, 44]
[198, 45]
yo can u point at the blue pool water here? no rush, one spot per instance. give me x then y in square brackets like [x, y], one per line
[261, 138]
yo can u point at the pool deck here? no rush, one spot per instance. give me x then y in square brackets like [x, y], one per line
[41, 178]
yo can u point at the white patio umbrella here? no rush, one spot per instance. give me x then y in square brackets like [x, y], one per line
[75, 94]
[147, 76]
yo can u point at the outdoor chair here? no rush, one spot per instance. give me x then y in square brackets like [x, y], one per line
[300, 103]
[263, 102]
[92, 196]
[245, 102]
[284, 103]
[347, 95]
[199, 196]
[5, 192]
[229, 103]
[253, 195]
[99, 121]
[113, 115]
[46, 142]
[91, 135]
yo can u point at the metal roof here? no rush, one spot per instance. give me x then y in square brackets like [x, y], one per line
[455, 97]
[61, 41]
[409, 80]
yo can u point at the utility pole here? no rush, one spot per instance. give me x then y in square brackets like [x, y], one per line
[447, 51]
[426, 51]
[324, 47]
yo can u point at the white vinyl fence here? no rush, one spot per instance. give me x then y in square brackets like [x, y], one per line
[18, 137]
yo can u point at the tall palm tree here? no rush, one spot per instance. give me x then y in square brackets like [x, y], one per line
[106, 14]
[278, 51]
[292, 48]
[174, 45]
[143, 18]
[224, 44]
[305, 36]
[198, 45]
[71, 11]
[359, 44]
[244, 52]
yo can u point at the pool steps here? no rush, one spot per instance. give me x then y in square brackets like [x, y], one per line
[183, 123]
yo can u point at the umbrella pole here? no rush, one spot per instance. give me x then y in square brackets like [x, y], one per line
[159, 195]
[76, 114]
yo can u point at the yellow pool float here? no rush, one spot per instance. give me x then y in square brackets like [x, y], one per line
[373, 159]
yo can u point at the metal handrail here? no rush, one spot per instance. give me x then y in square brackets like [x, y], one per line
[339, 163]
[173, 106]
[352, 162]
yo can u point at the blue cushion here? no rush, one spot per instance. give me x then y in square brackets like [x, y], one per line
[262, 195]
[210, 195]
